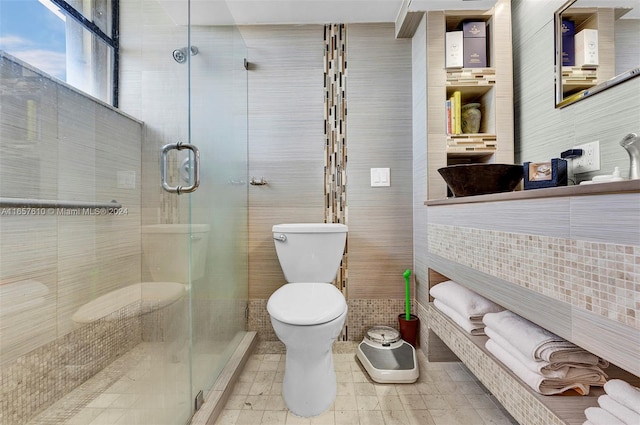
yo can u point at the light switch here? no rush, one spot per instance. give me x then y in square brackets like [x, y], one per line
[380, 177]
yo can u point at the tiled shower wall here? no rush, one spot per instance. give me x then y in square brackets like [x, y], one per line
[286, 146]
[58, 144]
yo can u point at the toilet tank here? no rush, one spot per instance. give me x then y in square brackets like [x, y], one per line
[165, 251]
[310, 252]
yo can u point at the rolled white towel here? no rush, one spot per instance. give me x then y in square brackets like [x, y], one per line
[536, 342]
[599, 416]
[472, 327]
[624, 393]
[549, 370]
[626, 415]
[466, 302]
[536, 381]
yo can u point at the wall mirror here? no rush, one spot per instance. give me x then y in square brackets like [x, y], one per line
[597, 47]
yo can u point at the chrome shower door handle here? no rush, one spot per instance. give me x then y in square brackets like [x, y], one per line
[196, 168]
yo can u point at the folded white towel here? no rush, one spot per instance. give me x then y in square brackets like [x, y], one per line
[472, 327]
[549, 370]
[466, 302]
[624, 393]
[626, 415]
[536, 381]
[535, 342]
[588, 423]
[599, 416]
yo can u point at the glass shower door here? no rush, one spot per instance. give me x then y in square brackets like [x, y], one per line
[219, 269]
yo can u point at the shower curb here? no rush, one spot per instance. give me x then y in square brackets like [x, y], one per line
[221, 390]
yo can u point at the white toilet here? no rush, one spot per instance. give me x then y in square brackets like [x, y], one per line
[308, 312]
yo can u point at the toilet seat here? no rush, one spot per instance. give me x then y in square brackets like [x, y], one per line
[306, 303]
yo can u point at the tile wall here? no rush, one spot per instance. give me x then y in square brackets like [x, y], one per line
[58, 144]
[542, 131]
[286, 146]
[603, 278]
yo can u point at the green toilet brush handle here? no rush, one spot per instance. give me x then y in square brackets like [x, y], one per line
[407, 291]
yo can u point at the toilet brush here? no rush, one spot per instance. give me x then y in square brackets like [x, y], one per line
[407, 292]
[408, 324]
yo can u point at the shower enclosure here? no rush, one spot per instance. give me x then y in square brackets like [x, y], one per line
[94, 328]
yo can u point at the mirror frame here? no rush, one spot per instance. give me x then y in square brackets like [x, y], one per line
[561, 101]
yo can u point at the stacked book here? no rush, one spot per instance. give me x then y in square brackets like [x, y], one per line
[453, 113]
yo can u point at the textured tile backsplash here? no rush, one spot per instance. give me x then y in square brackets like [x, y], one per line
[603, 278]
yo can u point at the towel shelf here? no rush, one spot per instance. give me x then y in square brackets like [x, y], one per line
[524, 404]
[44, 203]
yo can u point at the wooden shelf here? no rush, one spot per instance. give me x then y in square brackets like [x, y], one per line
[466, 77]
[489, 86]
[575, 79]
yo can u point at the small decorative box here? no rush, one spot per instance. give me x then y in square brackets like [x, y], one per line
[474, 44]
[545, 174]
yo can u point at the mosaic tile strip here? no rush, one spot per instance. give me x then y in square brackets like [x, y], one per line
[363, 314]
[37, 379]
[602, 278]
[518, 401]
[335, 130]
[260, 321]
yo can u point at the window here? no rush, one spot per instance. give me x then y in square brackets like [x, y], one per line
[73, 40]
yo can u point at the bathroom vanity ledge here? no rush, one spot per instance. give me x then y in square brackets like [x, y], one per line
[628, 186]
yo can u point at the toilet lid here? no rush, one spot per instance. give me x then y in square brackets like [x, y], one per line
[306, 303]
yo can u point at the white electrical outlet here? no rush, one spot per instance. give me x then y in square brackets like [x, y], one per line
[590, 159]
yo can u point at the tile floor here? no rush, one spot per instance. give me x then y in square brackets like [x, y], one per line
[445, 394]
[142, 387]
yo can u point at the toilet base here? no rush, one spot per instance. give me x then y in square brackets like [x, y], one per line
[309, 385]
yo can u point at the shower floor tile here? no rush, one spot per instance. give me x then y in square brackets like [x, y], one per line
[142, 387]
[445, 393]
